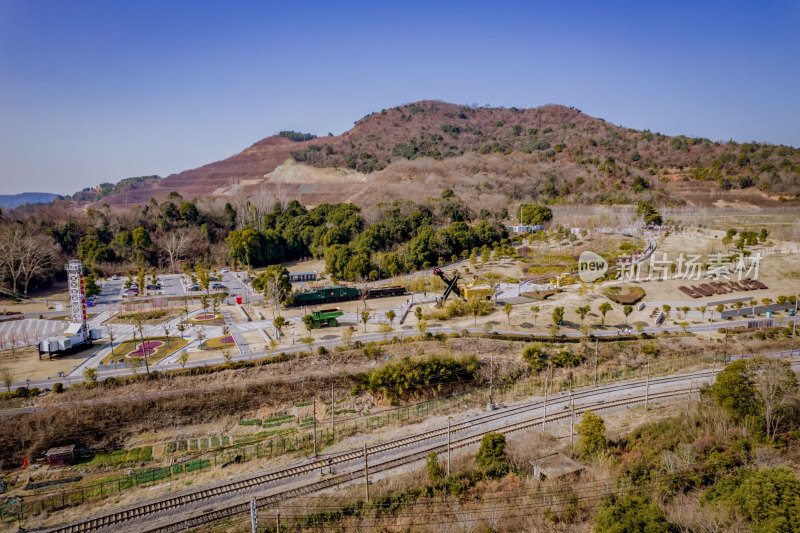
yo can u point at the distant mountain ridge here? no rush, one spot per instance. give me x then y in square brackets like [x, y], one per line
[552, 153]
[10, 201]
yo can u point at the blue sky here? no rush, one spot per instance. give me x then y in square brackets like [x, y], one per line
[99, 91]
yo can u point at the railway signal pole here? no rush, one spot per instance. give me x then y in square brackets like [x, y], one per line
[333, 414]
[647, 386]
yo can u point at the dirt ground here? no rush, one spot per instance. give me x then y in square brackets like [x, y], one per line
[57, 292]
[28, 365]
[780, 272]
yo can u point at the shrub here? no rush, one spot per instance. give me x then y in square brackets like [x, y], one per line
[395, 379]
[433, 467]
[58, 388]
[769, 498]
[492, 453]
[566, 359]
[535, 356]
[634, 513]
[592, 430]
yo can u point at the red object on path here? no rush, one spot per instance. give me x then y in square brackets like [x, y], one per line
[239, 300]
[24, 463]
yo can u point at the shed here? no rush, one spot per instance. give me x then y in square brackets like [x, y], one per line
[61, 456]
[555, 466]
[302, 276]
[526, 228]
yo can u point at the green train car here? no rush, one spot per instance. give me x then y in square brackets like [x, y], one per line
[324, 295]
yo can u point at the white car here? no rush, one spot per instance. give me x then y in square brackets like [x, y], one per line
[224, 270]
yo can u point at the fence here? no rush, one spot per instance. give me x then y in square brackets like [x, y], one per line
[303, 442]
[19, 510]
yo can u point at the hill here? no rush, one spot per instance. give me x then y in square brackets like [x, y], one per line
[95, 194]
[551, 152]
[10, 201]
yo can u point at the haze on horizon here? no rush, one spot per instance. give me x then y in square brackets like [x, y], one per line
[99, 91]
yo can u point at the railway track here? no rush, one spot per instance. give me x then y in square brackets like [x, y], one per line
[196, 497]
[213, 515]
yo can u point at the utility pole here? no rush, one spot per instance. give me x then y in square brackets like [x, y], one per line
[448, 445]
[647, 387]
[794, 325]
[689, 396]
[544, 418]
[254, 516]
[333, 414]
[596, 362]
[314, 417]
[490, 407]
[366, 474]
[278, 521]
[571, 421]
[144, 350]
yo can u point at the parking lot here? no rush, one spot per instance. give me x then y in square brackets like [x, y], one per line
[172, 286]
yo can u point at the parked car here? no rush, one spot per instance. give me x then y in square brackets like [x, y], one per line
[152, 287]
[193, 288]
[217, 285]
[115, 277]
[224, 270]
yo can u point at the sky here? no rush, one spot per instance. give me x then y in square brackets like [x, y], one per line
[99, 91]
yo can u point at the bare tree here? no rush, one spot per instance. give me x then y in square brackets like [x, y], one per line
[25, 255]
[775, 386]
[110, 338]
[281, 195]
[8, 378]
[175, 246]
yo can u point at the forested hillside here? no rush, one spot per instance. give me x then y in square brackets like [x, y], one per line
[552, 151]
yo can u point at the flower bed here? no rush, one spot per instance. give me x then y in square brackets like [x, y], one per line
[219, 342]
[158, 348]
[149, 347]
[204, 318]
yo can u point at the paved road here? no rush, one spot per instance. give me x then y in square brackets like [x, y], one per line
[333, 342]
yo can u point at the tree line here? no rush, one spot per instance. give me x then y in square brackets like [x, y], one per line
[253, 232]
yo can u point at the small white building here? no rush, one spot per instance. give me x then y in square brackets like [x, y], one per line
[525, 229]
[295, 277]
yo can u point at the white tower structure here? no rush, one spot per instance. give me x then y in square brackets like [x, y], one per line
[77, 299]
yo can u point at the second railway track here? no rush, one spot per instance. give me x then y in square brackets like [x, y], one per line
[192, 499]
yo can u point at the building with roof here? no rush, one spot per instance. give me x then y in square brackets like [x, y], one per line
[61, 456]
[295, 277]
[555, 466]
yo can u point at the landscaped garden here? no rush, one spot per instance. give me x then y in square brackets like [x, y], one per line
[206, 318]
[218, 343]
[154, 348]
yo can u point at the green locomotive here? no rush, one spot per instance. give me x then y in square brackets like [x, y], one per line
[340, 293]
[324, 295]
